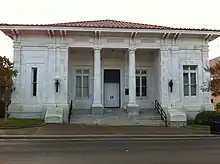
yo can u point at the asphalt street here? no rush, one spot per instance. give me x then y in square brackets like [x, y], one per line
[167, 151]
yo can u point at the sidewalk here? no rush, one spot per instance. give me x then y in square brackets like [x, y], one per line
[93, 130]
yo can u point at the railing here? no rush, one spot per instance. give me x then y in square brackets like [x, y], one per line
[161, 112]
[70, 111]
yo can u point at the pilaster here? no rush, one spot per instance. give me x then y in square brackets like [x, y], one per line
[17, 60]
[206, 75]
[164, 78]
[174, 70]
[16, 98]
[63, 73]
[51, 73]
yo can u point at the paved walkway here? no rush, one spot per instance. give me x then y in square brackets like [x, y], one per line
[73, 129]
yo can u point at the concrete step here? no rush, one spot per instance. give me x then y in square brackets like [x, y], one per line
[149, 117]
[80, 111]
[117, 122]
[122, 116]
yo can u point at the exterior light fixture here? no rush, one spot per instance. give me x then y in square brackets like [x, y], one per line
[57, 83]
[171, 85]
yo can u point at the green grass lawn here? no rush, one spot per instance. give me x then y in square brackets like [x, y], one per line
[17, 122]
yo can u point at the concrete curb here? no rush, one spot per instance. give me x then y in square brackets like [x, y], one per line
[110, 137]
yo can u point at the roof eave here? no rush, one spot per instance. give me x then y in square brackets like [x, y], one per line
[214, 33]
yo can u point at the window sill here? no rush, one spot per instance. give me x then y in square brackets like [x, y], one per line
[146, 97]
[191, 96]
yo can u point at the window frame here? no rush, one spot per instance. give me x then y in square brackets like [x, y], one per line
[140, 75]
[189, 71]
[82, 74]
[34, 81]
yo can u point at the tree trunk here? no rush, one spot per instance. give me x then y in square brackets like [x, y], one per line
[6, 112]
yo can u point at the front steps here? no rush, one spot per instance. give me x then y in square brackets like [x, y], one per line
[117, 117]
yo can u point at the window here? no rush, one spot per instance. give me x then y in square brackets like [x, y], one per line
[34, 81]
[82, 83]
[141, 83]
[189, 80]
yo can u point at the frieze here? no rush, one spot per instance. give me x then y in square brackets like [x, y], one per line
[83, 39]
[148, 41]
[115, 40]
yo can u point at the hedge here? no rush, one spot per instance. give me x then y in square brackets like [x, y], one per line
[204, 117]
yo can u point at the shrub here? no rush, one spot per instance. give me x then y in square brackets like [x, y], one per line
[204, 117]
[217, 105]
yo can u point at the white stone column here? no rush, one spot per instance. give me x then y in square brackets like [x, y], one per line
[132, 105]
[97, 107]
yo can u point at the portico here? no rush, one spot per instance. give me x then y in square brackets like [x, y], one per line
[108, 88]
[97, 105]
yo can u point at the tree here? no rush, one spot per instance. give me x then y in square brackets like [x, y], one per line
[213, 85]
[6, 81]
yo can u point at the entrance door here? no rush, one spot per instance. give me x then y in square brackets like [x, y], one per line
[112, 88]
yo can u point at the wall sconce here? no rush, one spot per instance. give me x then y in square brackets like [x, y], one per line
[171, 85]
[57, 83]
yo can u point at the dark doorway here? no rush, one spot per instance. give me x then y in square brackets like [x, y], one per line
[112, 88]
[112, 76]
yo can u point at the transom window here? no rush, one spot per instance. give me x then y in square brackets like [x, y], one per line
[141, 83]
[82, 83]
[189, 80]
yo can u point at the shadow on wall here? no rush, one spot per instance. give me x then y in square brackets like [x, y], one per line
[2, 109]
[215, 100]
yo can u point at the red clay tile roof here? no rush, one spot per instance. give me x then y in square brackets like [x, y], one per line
[108, 24]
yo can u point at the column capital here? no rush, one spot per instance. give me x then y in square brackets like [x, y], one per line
[132, 49]
[64, 46]
[17, 45]
[51, 46]
[205, 48]
[164, 47]
[97, 48]
[175, 47]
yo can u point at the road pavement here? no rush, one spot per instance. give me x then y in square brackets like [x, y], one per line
[155, 151]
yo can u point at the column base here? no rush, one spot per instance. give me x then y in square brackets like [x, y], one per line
[133, 109]
[97, 109]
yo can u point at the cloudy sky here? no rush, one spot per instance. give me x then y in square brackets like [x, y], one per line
[178, 13]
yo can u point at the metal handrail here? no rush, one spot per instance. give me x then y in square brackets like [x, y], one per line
[70, 111]
[161, 112]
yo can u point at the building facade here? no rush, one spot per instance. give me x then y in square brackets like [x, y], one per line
[109, 64]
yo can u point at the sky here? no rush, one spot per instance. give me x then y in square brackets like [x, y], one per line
[175, 13]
